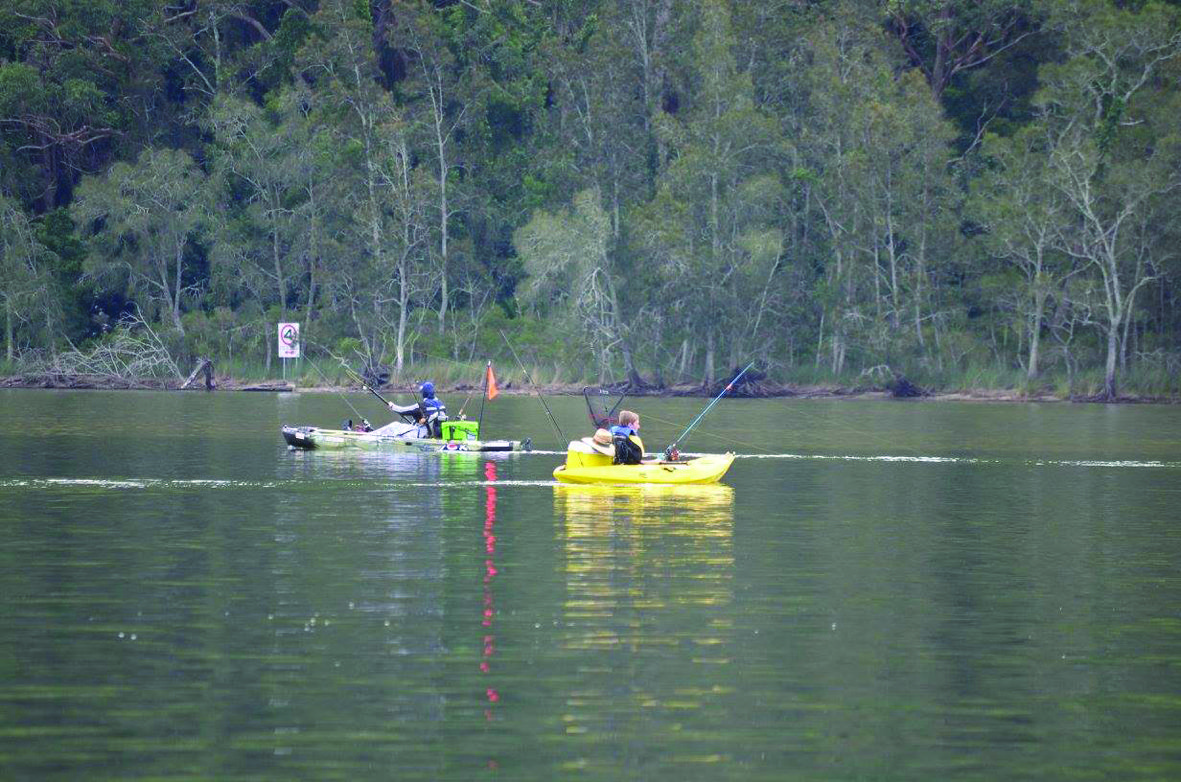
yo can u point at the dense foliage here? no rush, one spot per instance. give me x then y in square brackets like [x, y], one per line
[650, 189]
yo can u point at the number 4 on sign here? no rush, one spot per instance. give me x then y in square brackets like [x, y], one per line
[288, 340]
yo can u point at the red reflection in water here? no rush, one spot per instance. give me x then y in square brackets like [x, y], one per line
[489, 573]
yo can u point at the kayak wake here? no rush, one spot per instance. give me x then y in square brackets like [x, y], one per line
[162, 483]
[967, 460]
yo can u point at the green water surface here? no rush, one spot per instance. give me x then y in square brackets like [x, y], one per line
[878, 590]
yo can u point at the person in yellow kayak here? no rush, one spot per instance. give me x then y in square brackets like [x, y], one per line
[625, 436]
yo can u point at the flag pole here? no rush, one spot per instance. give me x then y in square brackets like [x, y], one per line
[483, 398]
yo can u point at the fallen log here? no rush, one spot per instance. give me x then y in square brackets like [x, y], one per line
[203, 365]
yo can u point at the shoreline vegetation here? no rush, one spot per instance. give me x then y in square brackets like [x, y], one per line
[978, 199]
[512, 384]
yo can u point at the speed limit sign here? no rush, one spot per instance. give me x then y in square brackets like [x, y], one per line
[288, 340]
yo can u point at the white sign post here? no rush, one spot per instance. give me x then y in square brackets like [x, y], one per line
[288, 343]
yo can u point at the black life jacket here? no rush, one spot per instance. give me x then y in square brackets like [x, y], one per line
[629, 449]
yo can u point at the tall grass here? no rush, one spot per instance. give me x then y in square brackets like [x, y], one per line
[315, 373]
[1156, 379]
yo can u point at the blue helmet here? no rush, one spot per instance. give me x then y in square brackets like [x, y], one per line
[428, 390]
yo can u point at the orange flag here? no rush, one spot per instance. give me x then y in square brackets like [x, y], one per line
[492, 389]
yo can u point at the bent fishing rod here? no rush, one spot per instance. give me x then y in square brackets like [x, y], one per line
[328, 384]
[670, 451]
[349, 370]
[364, 383]
[529, 380]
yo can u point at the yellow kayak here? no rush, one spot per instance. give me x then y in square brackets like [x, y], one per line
[703, 469]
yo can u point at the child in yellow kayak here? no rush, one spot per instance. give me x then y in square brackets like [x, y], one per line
[625, 436]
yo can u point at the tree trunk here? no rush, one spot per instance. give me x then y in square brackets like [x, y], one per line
[819, 342]
[1035, 336]
[313, 250]
[176, 291]
[9, 331]
[1112, 354]
[1034, 343]
[708, 378]
[1123, 343]
[403, 302]
[277, 259]
[443, 220]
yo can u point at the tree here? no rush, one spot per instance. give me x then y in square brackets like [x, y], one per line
[1023, 215]
[1113, 176]
[70, 96]
[377, 187]
[875, 150]
[24, 281]
[443, 84]
[142, 220]
[719, 149]
[566, 257]
[258, 161]
[945, 37]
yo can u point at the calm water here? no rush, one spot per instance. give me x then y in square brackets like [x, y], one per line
[888, 591]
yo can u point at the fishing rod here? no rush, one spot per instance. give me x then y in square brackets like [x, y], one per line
[328, 383]
[364, 383]
[670, 451]
[483, 398]
[529, 380]
[348, 370]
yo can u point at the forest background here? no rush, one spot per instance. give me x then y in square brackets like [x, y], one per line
[970, 193]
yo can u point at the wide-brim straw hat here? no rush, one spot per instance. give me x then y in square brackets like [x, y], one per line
[601, 442]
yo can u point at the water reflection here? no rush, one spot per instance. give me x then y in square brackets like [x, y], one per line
[615, 534]
[649, 584]
[489, 646]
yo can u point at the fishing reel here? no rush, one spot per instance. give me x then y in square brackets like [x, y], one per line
[672, 454]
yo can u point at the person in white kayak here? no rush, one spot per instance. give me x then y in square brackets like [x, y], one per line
[432, 411]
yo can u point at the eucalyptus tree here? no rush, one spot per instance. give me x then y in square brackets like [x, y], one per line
[380, 194]
[255, 158]
[720, 145]
[76, 82]
[877, 151]
[943, 38]
[604, 134]
[1097, 111]
[142, 219]
[571, 278]
[648, 30]
[311, 161]
[441, 87]
[904, 149]
[24, 277]
[845, 74]
[217, 46]
[1023, 214]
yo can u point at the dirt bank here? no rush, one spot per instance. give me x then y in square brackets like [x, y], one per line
[762, 389]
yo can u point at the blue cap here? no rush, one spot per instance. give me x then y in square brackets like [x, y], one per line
[428, 390]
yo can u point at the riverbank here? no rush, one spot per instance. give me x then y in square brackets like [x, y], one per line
[755, 390]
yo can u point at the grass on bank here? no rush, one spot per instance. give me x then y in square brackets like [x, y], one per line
[1141, 380]
[310, 373]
